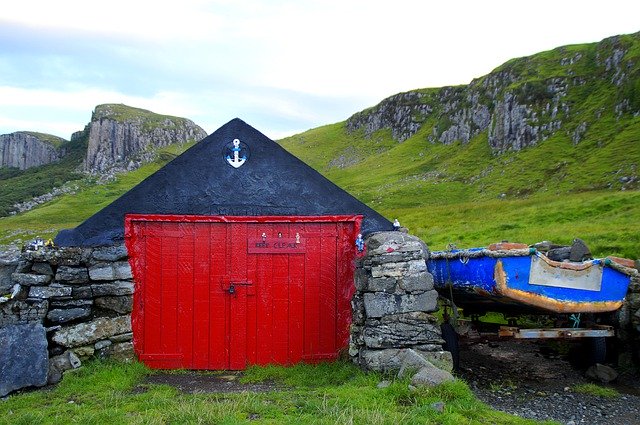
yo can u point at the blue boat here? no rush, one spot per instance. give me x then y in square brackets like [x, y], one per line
[516, 279]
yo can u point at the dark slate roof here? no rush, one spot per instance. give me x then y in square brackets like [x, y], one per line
[201, 182]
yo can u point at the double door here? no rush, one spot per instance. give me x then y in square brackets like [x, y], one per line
[218, 293]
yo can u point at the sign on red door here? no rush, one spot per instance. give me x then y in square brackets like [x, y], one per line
[227, 292]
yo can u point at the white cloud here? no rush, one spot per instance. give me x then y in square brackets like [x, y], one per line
[286, 63]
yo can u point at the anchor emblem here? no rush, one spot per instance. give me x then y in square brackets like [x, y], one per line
[233, 153]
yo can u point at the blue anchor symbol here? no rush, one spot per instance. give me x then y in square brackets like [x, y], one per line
[236, 161]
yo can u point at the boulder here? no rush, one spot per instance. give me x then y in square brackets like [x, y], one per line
[24, 359]
[602, 373]
[430, 376]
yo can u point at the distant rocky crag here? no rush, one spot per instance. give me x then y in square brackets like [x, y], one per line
[24, 149]
[123, 138]
[523, 102]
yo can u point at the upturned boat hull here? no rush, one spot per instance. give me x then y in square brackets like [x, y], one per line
[526, 281]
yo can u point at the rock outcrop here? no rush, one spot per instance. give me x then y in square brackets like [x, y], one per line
[522, 103]
[123, 138]
[24, 149]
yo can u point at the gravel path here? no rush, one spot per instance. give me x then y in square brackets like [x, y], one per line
[525, 378]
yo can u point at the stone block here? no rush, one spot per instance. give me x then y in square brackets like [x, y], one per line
[73, 275]
[84, 352]
[82, 292]
[52, 291]
[23, 311]
[382, 284]
[68, 314]
[381, 360]
[110, 253]
[42, 268]
[102, 344]
[102, 272]
[380, 304]
[111, 271]
[112, 289]
[90, 332]
[128, 336]
[401, 330]
[413, 283]
[122, 352]
[357, 308]
[120, 305]
[385, 242]
[360, 279]
[60, 364]
[29, 279]
[9, 261]
[71, 303]
[24, 359]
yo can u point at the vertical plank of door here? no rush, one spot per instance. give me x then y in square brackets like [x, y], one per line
[264, 304]
[328, 290]
[312, 291]
[346, 288]
[186, 317]
[152, 292]
[137, 248]
[201, 293]
[296, 299]
[237, 238]
[280, 285]
[169, 302]
[252, 279]
[218, 305]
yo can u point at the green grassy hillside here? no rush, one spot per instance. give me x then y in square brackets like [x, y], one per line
[21, 185]
[462, 194]
[546, 147]
[578, 179]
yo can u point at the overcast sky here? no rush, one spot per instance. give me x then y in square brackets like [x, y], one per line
[281, 66]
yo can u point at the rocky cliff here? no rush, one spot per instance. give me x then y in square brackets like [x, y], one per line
[28, 149]
[121, 137]
[523, 102]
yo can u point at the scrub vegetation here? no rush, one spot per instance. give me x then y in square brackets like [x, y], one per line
[107, 392]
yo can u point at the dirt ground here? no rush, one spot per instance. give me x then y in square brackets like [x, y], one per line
[192, 382]
[536, 379]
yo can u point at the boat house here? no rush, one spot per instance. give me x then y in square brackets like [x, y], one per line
[241, 254]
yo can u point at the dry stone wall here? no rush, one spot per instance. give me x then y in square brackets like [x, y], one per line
[393, 329]
[77, 304]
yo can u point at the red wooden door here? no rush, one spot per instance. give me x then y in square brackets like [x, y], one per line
[227, 292]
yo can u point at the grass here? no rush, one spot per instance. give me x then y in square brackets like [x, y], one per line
[67, 211]
[596, 390]
[336, 393]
